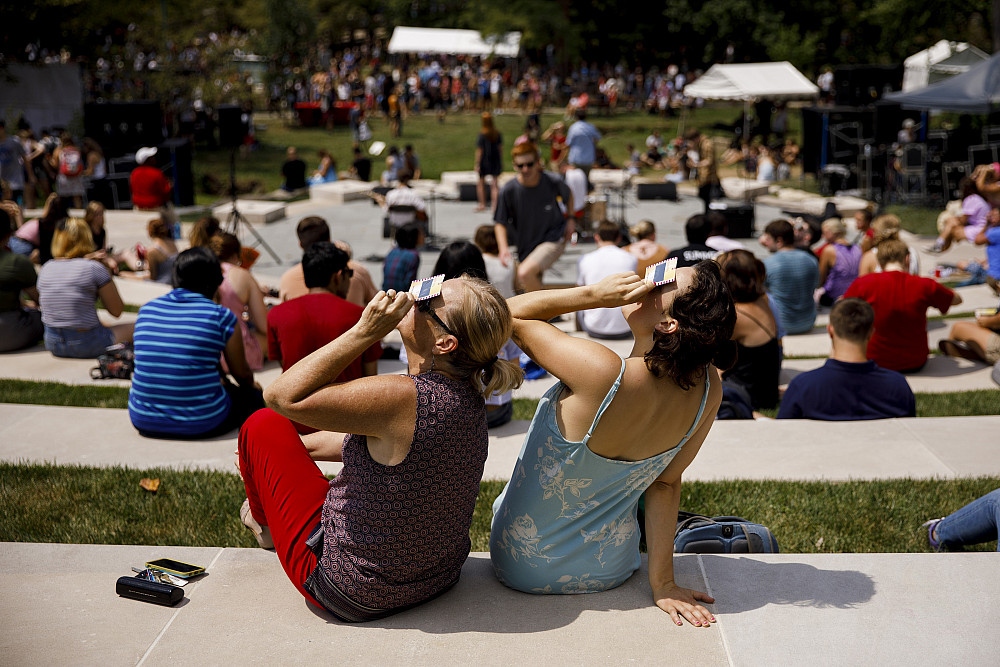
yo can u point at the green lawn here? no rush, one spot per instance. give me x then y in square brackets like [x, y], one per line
[954, 404]
[450, 146]
[441, 146]
[68, 504]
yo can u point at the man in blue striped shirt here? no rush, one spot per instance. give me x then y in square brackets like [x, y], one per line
[177, 391]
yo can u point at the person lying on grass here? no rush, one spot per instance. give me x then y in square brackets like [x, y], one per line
[391, 531]
[610, 431]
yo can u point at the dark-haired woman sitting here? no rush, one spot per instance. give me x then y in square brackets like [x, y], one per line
[610, 431]
[177, 391]
[758, 344]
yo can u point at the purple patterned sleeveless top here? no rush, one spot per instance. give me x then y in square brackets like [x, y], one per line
[844, 270]
[397, 535]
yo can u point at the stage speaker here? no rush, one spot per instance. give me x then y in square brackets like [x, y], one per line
[953, 173]
[173, 157]
[123, 127]
[665, 190]
[467, 192]
[859, 85]
[739, 217]
[234, 124]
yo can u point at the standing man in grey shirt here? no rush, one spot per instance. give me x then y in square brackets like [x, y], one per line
[535, 213]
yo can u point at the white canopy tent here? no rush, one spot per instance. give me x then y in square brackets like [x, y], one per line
[747, 81]
[938, 62]
[453, 42]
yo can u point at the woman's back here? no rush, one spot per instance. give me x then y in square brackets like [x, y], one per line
[587, 487]
[644, 404]
[67, 291]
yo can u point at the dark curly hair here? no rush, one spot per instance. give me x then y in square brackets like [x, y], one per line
[706, 316]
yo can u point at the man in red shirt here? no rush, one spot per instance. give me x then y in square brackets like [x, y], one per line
[298, 327]
[150, 188]
[900, 301]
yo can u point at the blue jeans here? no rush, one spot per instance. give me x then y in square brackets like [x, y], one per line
[19, 246]
[973, 524]
[68, 342]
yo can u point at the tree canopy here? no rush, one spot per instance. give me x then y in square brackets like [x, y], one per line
[809, 33]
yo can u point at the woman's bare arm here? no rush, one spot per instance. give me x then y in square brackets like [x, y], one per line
[383, 406]
[662, 503]
[111, 299]
[614, 291]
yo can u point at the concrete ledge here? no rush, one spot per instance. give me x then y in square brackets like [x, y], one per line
[341, 191]
[938, 447]
[615, 178]
[256, 212]
[743, 188]
[455, 179]
[60, 607]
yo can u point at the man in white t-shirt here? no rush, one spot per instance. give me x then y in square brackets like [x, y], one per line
[404, 195]
[595, 266]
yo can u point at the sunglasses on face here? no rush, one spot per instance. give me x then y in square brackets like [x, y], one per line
[524, 165]
[425, 307]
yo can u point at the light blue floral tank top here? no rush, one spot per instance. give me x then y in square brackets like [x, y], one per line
[566, 521]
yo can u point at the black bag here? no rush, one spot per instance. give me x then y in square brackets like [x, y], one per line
[117, 362]
[698, 534]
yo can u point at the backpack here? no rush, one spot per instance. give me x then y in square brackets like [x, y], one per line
[117, 362]
[70, 162]
[698, 534]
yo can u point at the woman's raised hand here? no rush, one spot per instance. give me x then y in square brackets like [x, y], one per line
[383, 313]
[619, 289]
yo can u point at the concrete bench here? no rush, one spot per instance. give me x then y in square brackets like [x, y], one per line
[743, 188]
[254, 211]
[341, 191]
[60, 607]
[942, 447]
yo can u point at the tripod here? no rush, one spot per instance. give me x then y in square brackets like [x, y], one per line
[236, 219]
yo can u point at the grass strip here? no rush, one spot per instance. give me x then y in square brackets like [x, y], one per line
[82, 505]
[31, 392]
[970, 403]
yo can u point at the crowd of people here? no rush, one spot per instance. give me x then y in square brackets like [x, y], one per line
[391, 530]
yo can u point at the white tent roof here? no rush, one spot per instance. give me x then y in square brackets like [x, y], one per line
[938, 62]
[744, 81]
[452, 41]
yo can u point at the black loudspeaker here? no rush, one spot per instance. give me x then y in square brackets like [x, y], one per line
[858, 85]
[739, 218]
[952, 174]
[656, 191]
[233, 125]
[173, 157]
[467, 192]
[122, 127]
[816, 141]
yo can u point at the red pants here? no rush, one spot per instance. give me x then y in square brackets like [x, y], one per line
[285, 488]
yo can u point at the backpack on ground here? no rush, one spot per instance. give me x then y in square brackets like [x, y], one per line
[117, 362]
[70, 162]
[697, 534]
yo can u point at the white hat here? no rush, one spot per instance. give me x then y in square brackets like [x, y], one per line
[144, 154]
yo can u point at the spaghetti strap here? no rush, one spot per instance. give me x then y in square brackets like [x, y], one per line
[607, 401]
[701, 410]
[757, 322]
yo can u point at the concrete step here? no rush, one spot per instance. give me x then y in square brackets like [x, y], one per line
[60, 607]
[933, 447]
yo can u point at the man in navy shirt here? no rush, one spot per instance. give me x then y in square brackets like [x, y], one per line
[848, 386]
